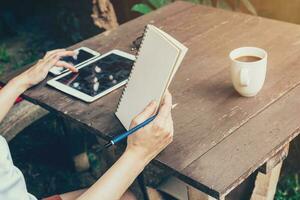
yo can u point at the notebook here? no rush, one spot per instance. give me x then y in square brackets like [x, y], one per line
[158, 59]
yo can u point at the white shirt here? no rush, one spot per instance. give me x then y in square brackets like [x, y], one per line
[12, 182]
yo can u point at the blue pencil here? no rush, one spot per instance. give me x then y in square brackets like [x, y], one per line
[129, 132]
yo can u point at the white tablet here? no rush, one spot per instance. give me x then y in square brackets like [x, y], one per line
[97, 77]
[83, 55]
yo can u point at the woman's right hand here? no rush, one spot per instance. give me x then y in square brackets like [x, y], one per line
[153, 138]
[39, 71]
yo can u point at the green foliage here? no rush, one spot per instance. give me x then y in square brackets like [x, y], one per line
[4, 55]
[196, 1]
[288, 188]
[150, 5]
[94, 161]
[159, 3]
[141, 8]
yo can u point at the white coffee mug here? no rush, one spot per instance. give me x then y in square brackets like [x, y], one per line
[248, 77]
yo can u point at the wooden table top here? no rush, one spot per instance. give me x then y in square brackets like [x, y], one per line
[220, 137]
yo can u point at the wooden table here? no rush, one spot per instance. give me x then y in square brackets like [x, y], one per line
[220, 137]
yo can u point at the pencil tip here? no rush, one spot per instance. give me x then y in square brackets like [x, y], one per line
[107, 145]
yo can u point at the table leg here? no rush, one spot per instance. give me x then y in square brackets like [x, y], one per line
[267, 179]
[194, 194]
[265, 184]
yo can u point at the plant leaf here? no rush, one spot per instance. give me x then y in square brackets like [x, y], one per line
[159, 3]
[249, 6]
[141, 8]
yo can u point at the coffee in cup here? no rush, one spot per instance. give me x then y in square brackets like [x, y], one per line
[248, 58]
[248, 70]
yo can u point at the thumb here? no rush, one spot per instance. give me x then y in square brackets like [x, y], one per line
[145, 114]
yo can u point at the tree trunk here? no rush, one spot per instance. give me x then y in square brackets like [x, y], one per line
[104, 15]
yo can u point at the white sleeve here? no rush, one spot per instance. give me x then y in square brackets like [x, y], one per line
[12, 183]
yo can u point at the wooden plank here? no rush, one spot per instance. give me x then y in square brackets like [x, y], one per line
[265, 184]
[195, 194]
[275, 160]
[19, 117]
[203, 88]
[224, 167]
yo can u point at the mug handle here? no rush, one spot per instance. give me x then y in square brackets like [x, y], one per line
[244, 77]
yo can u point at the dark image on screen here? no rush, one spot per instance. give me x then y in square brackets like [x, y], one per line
[99, 75]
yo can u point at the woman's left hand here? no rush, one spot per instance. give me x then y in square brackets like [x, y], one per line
[39, 71]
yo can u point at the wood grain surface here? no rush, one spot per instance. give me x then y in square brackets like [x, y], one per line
[220, 137]
[236, 157]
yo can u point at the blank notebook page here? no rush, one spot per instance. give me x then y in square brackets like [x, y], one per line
[150, 76]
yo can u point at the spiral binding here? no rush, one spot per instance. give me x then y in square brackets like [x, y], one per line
[133, 66]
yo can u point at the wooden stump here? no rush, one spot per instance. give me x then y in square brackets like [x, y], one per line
[104, 15]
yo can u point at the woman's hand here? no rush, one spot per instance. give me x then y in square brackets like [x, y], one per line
[39, 71]
[153, 138]
[142, 147]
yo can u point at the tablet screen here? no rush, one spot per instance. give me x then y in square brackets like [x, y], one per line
[99, 75]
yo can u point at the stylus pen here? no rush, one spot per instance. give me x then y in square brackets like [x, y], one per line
[129, 132]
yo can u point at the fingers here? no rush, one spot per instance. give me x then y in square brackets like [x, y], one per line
[59, 52]
[54, 58]
[51, 62]
[50, 53]
[66, 53]
[66, 65]
[145, 114]
[166, 107]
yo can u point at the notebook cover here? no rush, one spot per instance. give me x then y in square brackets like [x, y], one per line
[156, 63]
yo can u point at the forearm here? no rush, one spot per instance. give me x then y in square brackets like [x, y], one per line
[9, 94]
[113, 184]
[30, 77]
